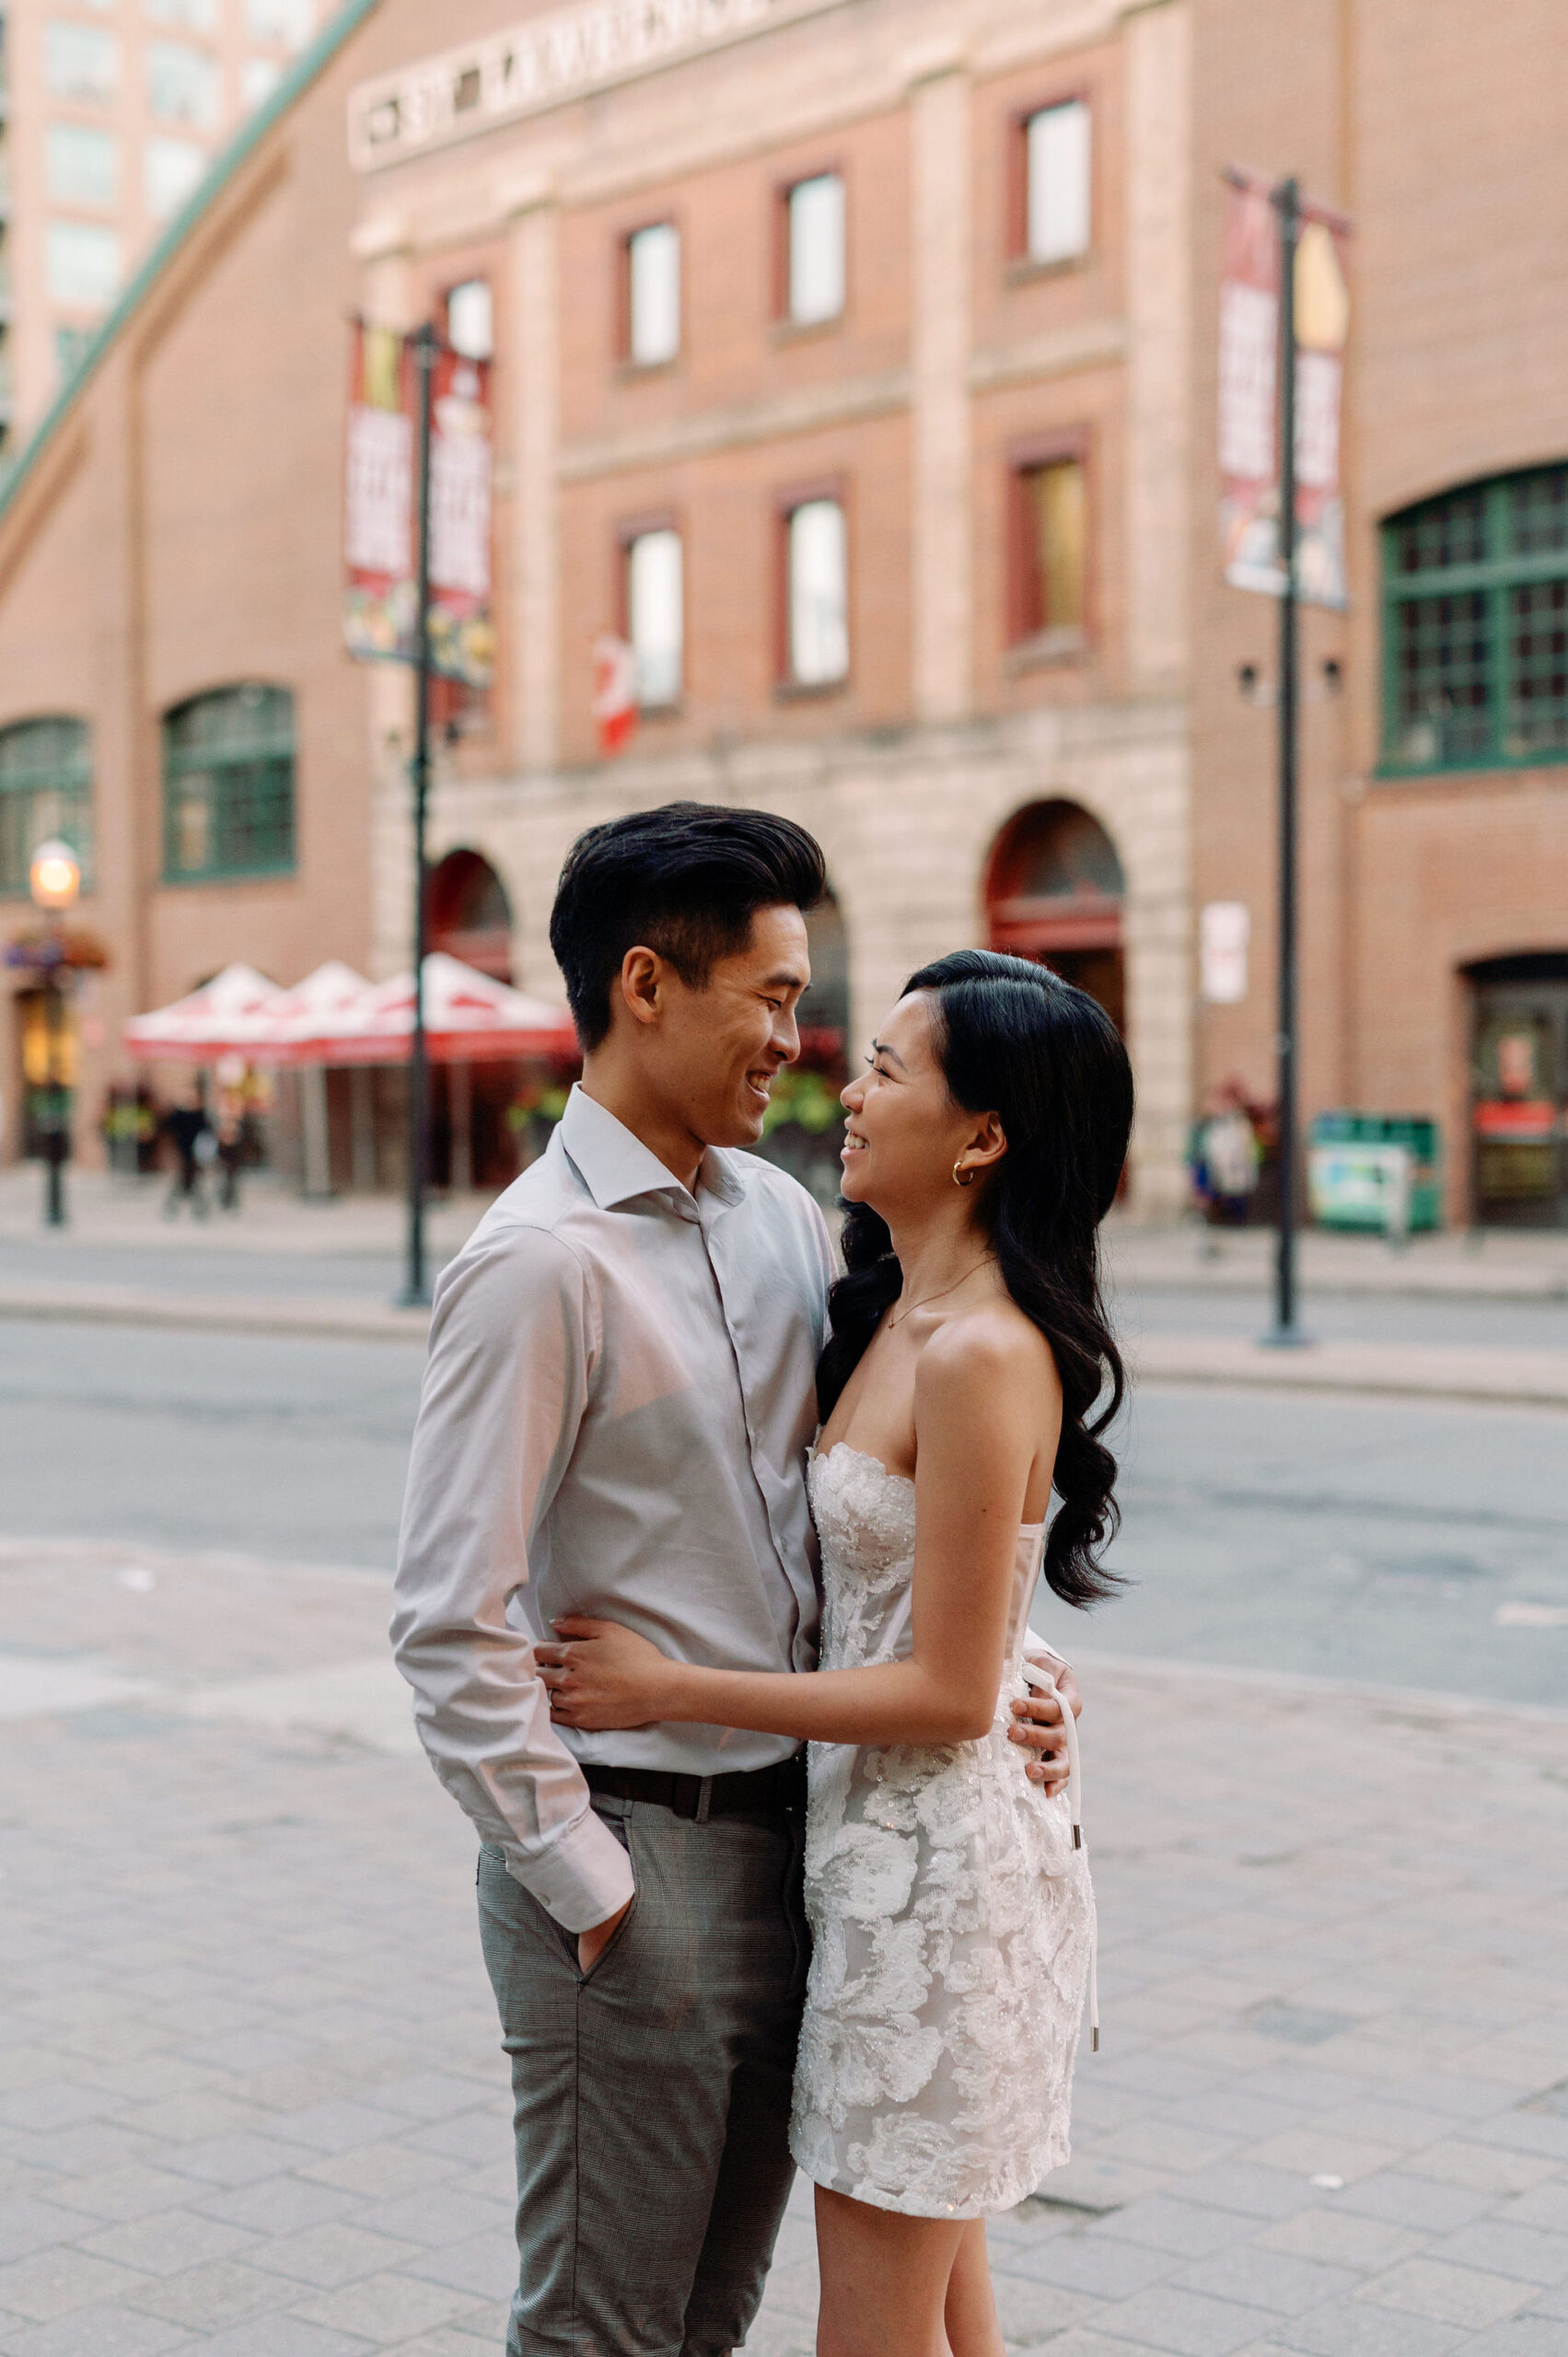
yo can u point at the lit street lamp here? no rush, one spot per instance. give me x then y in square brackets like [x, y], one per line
[54, 878]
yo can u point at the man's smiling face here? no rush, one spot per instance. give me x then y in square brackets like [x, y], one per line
[719, 1048]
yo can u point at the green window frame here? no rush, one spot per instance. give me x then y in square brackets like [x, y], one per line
[46, 791]
[1475, 628]
[228, 785]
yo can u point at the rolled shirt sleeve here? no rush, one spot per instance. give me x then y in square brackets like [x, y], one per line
[513, 1348]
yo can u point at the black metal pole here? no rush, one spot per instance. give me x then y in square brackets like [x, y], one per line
[1287, 204]
[416, 1290]
[57, 1140]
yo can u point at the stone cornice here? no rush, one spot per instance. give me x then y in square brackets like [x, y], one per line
[737, 427]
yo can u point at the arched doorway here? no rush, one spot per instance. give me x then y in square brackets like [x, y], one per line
[468, 914]
[1054, 891]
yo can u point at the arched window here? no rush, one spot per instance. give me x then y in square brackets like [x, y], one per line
[46, 786]
[228, 785]
[1475, 627]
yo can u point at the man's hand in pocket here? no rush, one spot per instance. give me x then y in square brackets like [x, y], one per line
[592, 1944]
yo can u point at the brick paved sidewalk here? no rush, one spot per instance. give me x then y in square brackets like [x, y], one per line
[251, 2102]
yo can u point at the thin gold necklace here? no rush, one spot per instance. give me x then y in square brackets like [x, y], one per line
[986, 1258]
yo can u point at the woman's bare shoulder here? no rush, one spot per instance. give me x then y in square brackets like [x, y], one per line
[992, 1349]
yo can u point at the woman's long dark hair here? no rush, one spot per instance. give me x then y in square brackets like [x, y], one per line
[1015, 1040]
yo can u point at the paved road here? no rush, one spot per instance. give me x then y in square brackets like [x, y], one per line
[252, 2102]
[1363, 1540]
[291, 1450]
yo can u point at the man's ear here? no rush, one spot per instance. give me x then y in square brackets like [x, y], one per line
[641, 977]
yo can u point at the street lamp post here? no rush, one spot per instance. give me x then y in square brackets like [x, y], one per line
[54, 878]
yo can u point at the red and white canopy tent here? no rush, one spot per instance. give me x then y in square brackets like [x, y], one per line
[226, 1016]
[335, 1017]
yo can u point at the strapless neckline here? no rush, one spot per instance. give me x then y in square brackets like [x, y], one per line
[904, 1481]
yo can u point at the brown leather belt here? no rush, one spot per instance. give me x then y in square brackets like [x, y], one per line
[755, 1792]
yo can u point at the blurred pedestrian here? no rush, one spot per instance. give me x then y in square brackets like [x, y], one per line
[187, 1129]
[230, 1155]
[1226, 1159]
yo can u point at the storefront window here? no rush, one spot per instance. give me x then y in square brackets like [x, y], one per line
[1476, 626]
[228, 785]
[45, 791]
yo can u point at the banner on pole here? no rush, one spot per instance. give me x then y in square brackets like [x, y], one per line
[462, 636]
[378, 494]
[1248, 398]
[380, 518]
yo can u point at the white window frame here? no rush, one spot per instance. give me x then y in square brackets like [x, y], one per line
[63, 139]
[815, 275]
[816, 649]
[1058, 181]
[652, 294]
[655, 615]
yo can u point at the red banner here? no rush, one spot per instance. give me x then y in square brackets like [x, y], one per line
[1248, 398]
[380, 507]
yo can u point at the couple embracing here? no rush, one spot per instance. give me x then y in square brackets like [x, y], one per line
[681, 1505]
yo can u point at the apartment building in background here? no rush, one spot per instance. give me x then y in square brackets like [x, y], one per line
[110, 111]
[855, 362]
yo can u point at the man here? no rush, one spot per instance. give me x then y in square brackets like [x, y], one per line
[187, 1131]
[615, 1413]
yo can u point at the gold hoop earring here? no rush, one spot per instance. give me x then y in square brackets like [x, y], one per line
[962, 1178]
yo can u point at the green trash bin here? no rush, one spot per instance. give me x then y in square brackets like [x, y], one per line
[1376, 1172]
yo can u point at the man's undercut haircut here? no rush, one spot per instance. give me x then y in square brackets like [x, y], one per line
[685, 881]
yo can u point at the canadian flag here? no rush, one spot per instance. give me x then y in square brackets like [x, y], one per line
[615, 692]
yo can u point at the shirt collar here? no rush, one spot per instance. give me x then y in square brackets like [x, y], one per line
[615, 1167]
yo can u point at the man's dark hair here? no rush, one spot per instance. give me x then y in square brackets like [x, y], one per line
[685, 880]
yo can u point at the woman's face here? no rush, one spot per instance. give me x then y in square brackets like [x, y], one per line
[904, 1132]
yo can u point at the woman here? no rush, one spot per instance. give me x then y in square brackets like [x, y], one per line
[951, 1907]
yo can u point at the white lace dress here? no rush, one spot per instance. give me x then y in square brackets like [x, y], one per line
[952, 1916]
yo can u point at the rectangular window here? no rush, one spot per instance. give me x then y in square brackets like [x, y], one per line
[81, 62]
[816, 594]
[814, 213]
[287, 24]
[171, 170]
[191, 16]
[470, 318]
[183, 85]
[1051, 511]
[45, 791]
[83, 165]
[656, 616]
[82, 264]
[259, 77]
[1056, 180]
[1475, 587]
[653, 294]
[228, 784]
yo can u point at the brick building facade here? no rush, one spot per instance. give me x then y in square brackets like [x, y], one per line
[925, 555]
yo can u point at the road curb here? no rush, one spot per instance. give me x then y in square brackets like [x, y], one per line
[1523, 1377]
[297, 1318]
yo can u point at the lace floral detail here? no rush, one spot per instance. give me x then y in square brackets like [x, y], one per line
[950, 1912]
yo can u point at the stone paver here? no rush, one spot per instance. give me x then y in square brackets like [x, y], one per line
[253, 2104]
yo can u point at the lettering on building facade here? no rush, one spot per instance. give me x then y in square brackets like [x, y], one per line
[543, 63]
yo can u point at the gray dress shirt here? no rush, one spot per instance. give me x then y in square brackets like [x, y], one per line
[617, 1401]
